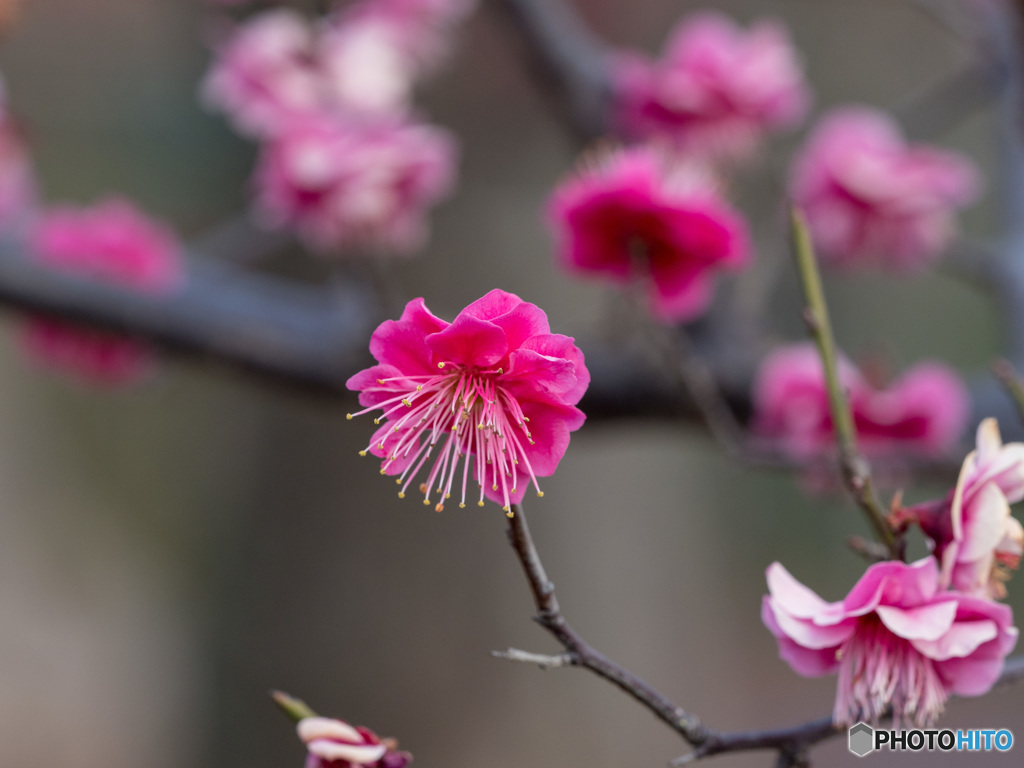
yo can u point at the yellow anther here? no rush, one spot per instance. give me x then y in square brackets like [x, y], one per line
[376, 421]
[513, 490]
[440, 365]
[509, 513]
[362, 453]
[398, 481]
[419, 387]
[439, 507]
[447, 495]
[348, 416]
[462, 506]
[406, 403]
[380, 381]
[401, 494]
[494, 487]
[540, 494]
[383, 471]
[426, 502]
[479, 503]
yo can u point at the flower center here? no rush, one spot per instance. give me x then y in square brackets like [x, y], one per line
[878, 669]
[461, 414]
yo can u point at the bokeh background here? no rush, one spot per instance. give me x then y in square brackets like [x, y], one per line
[170, 553]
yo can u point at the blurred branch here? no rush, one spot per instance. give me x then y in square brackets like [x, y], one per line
[1012, 382]
[856, 471]
[568, 60]
[542, 660]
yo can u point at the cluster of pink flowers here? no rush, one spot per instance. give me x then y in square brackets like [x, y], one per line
[110, 242]
[641, 215]
[716, 91]
[343, 159]
[871, 199]
[494, 389]
[336, 744]
[909, 636]
[925, 409]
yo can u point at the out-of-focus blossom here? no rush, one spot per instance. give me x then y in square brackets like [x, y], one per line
[494, 390]
[18, 190]
[640, 216]
[871, 199]
[354, 184]
[716, 90]
[972, 532]
[925, 409]
[336, 744]
[895, 639]
[265, 74]
[110, 242]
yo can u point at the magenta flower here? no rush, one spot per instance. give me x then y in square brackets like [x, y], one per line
[336, 744]
[638, 216]
[265, 73]
[925, 409]
[110, 242]
[895, 639]
[976, 540]
[494, 389]
[870, 198]
[717, 89]
[344, 184]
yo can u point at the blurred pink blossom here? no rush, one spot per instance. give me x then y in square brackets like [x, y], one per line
[638, 215]
[895, 639]
[265, 73]
[716, 90]
[18, 190]
[494, 388]
[354, 184]
[110, 242]
[972, 533]
[871, 199]
[925, 409]
[336, 744]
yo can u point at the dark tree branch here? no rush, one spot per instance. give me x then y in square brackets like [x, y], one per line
[569, 60]
[549, 616]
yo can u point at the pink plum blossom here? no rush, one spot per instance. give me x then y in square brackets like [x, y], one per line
[895, 639]
[18, 189]
[973, 535]
[925, 409]
[336, 744]
[265, 73]
[872, 199]
[716, 90]
[494, 388]
[346, 184]
[638, 215]
[110, 242]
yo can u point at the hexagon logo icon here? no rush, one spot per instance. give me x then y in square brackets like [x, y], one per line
[862, 739]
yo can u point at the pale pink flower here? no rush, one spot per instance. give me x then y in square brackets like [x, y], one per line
[717, 90]
[372, 53]
[895, 639]
[18, 190]
[336, 744]
[494, 389]
[343, 184]
[925, 409]
[871, 199]
[110, 242]
[972, 532]
[638, 216]
[265, 73]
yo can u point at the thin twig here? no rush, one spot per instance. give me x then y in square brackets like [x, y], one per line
[550, 617]
[1012, 383]
[542, 660]
[856, 472]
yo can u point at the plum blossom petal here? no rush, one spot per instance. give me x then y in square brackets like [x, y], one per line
[493, 392]
[642, 216]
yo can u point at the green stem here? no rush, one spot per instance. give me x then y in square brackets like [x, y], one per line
[856, 472]
[296, 709]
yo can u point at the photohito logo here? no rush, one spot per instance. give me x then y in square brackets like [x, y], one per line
[864, 740]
